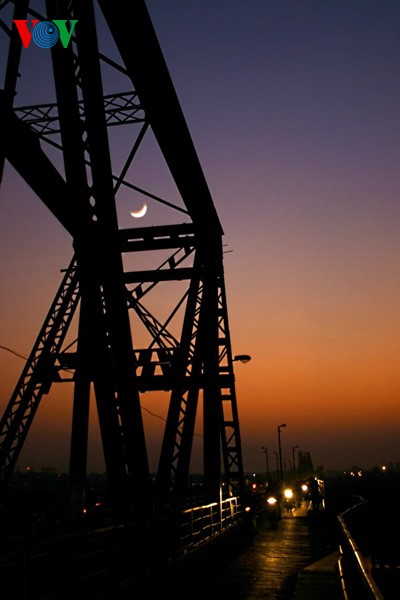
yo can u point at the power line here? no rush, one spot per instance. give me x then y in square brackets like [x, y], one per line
[13, 352]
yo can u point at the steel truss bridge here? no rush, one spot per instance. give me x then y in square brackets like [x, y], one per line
[116, 282]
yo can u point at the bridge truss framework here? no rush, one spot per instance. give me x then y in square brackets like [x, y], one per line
[109, 278]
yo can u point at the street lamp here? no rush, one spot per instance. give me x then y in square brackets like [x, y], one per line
[244, 358]
[277, 463]
[280, 450]
[294, 461]
[266, 459]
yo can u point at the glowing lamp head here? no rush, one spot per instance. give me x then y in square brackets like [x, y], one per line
[288, 493]
[271, 500]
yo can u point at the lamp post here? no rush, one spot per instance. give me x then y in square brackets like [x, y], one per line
[277, 464]
[280, 450]
[265, 450]
[294, 461]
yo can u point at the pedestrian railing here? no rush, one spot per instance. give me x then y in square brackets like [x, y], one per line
[202, 523]
[356, 567]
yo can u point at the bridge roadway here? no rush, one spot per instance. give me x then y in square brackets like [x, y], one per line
[295, 560]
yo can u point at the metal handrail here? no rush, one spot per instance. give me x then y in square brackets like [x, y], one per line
[201, 523]
[372, 588]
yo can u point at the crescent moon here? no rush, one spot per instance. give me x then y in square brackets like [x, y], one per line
[139, 213]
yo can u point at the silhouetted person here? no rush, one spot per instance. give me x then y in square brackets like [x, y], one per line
[315, 494]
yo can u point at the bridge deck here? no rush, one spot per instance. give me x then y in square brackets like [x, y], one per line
[271, 563]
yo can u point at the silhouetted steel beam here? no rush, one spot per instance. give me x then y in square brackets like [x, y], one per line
[120, 109]
[21, 147]
[14, 55]
[38, 374]
[158, 275]
[108, 355]
[157, 238]
[134, 35]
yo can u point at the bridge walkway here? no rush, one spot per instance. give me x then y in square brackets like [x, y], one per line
[295, 560]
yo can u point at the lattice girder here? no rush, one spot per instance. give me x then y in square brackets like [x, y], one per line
[195, 365]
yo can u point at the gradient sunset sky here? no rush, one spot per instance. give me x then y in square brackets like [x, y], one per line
[294, 110]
